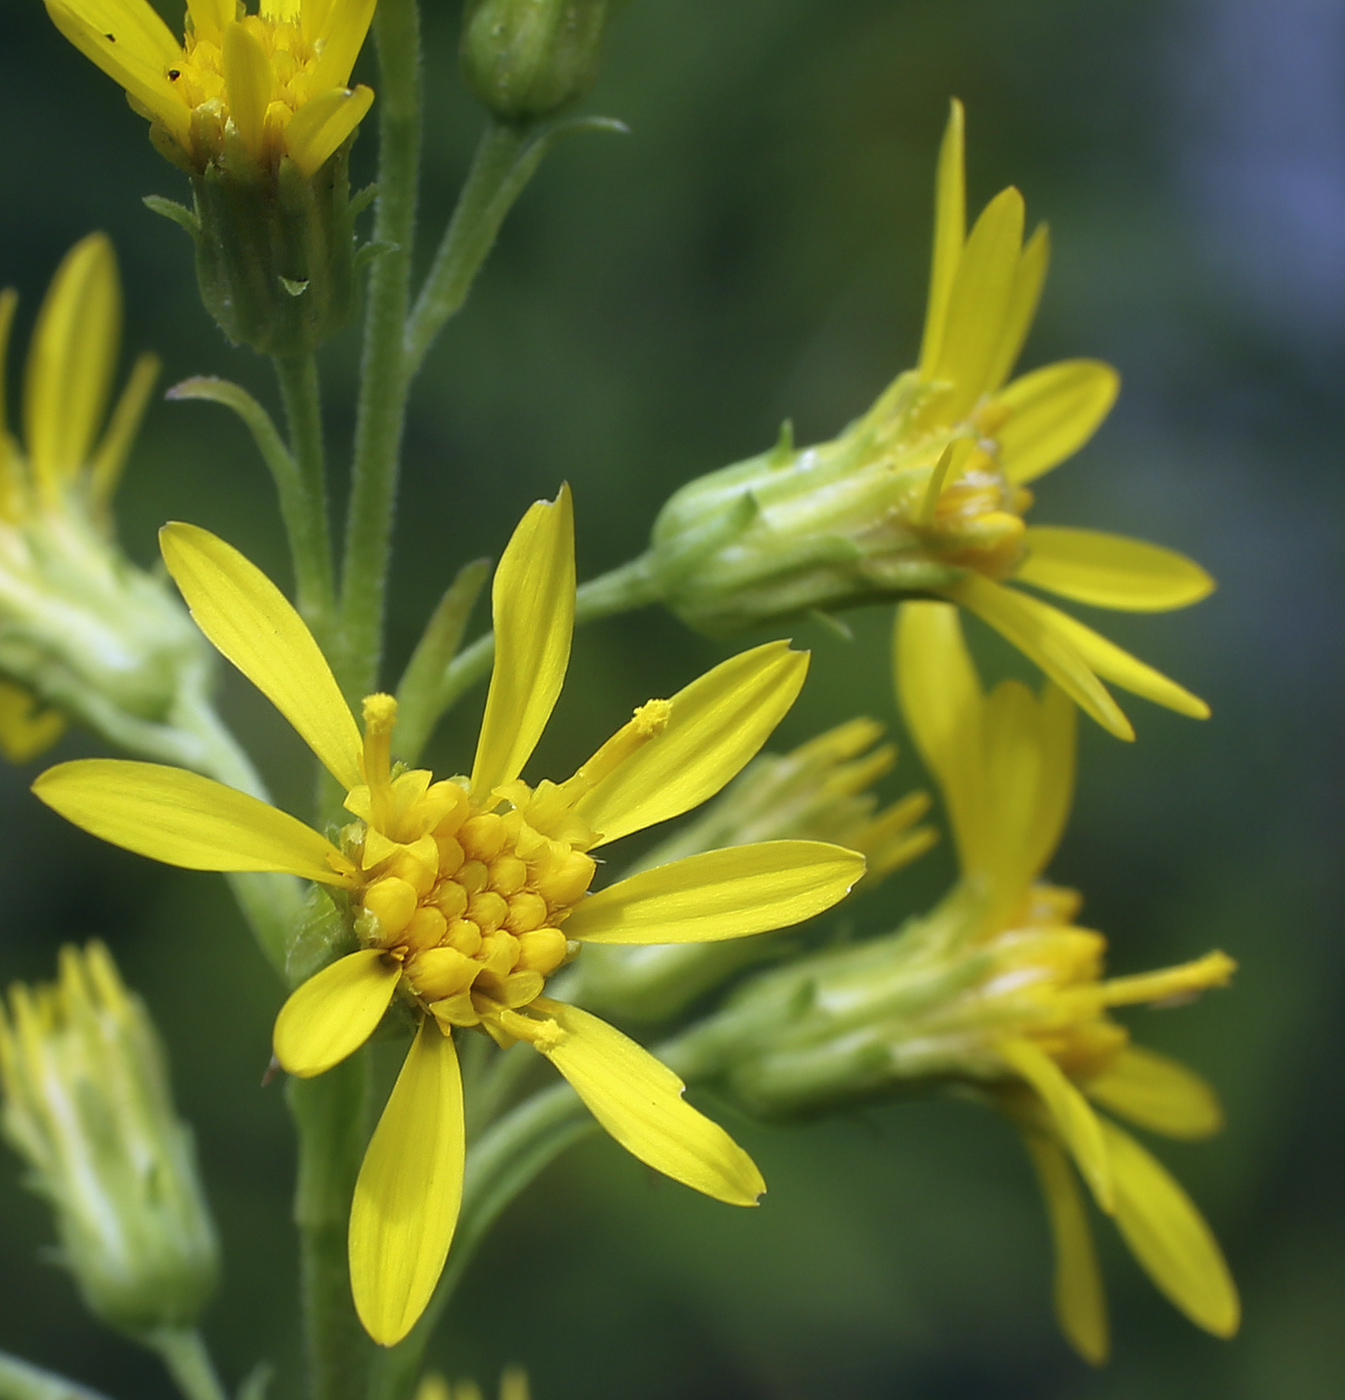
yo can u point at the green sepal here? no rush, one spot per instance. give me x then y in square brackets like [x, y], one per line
[324, 933]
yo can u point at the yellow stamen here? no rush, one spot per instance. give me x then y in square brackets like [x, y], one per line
[1171, 984]
[380, 714]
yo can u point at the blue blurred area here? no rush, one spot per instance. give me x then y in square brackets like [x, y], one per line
[756, 249]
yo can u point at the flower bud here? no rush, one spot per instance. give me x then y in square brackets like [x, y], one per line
[83, 632]
[87, 1105]
[527, 59]
[819, 792]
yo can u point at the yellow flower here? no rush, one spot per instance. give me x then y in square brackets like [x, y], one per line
[468, 893]
[926, 493]
[270, 85]
[1033, 1025]
[513, 1386]
[78, 623]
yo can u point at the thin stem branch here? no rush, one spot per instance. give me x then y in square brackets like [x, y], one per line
[623, 589]
[303, 498]
[381, 414]
[184, 1353]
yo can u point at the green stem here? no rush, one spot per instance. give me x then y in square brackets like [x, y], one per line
[184, 1354]
[623, 589]
[505, 1160]
[21, 1380]
[303, 495]
[384, 381]
[330, 1113]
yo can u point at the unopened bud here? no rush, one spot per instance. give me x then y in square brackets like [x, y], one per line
[87, 1105]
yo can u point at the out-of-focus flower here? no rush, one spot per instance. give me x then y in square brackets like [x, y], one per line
[997, 992]
[87, 1105]
[926, 493]
[82, 631]
[821, 791]
[467, 894]
[513, 1386]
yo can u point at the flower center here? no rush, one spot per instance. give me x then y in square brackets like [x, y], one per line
[468, 897]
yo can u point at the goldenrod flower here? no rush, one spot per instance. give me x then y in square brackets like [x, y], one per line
[265, 85]
[469, 893]
[926, 493]
[79, 625]
[1034, 1021]
[88, 1106]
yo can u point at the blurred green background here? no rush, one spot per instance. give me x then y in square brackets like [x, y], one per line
[757, 249]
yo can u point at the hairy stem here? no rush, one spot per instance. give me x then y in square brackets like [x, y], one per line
[381, 413]
[303, 495]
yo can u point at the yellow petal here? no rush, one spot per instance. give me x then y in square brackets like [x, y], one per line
[978, 304]
[249, 620]
[1080, 1300]
[1170, 1238]
[184, 819]
[344, 24]
[1013, 762]
[1028, 279]
[720, 894]
[1079, 1127]
[1111, 571]
[322, 124]
[209, 18]
[332, 1014]
[248, 81]
[409, 1190]
[26, 729]
[532, 601]
[1158, 1094]
[1052, 412]
[941, 700]
[950, 232]
[1111, 662]
[70, 362]
[639, 1101]
[715, 726]
[1036, 631]
[1057, 724]
[134, 47]
[112, 451]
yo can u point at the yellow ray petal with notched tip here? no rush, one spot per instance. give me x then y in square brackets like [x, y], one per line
[716, 725]
[1109, 661]
[1158, 1094]
[343, 29]
[322, 124]
[1080, 1299]
[942, 701]
[1052, 412]
[1019, 620]
[133, 46]
[70, 363]
[184, 819]
[409, 1190]
[532, 602]
[248, 82]
[333, 1013]
[249, 621]
[1170, 1238]
[721, 894]
[979, 302]
[639, 1101]
[950, 232]
[1079, 1127]
[1111, 571]
[26, 728]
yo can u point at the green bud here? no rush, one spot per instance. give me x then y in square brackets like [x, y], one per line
[527, 59]
[87, 1105]
[275, 249]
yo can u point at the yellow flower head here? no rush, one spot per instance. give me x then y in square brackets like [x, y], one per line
[1033, 1022]
[269, 85]
[926, 493]
[470, 892]
[76, 619]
